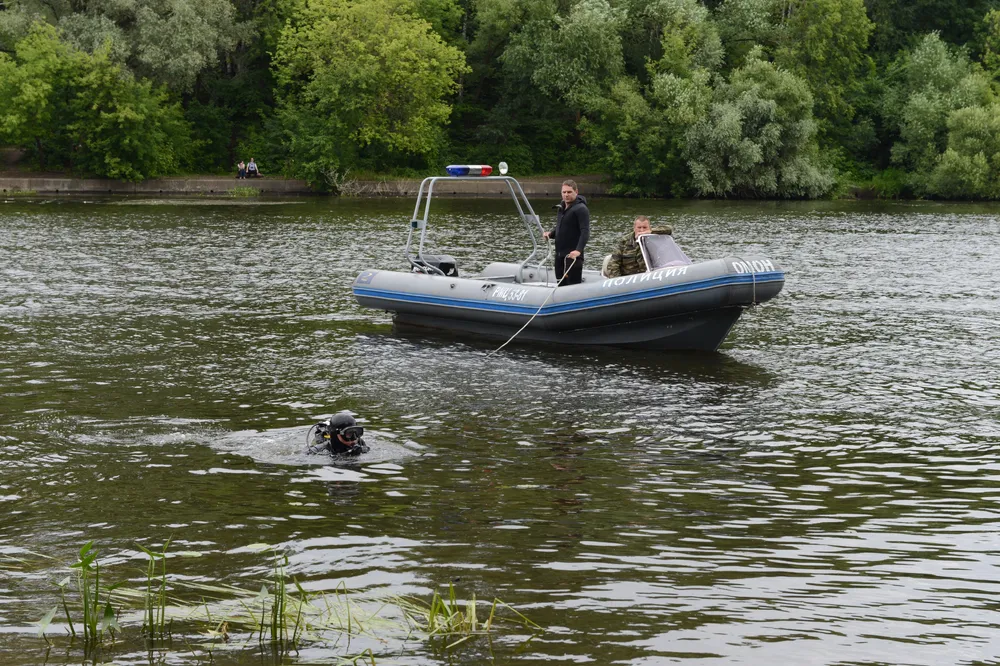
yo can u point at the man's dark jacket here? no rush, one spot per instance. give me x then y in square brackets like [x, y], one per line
[572, 226]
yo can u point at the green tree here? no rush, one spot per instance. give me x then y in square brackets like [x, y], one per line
[501, 113]
[825, 43]
[901, 25]
[991, 43]
[168, 41]
[359, 76]
[925, 86]
[688, 39]
[32, 114]
[678, 35]
[970, 167]
[78, 110]
[640, 123]
[445, 16]
[642, 132]
[575, 57]
[123, 128]
[759, 137]
[748, 24]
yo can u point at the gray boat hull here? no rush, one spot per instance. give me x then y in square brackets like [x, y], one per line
[696, 331]
[686, 308]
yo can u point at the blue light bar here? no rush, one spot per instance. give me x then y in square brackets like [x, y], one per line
[469, 169]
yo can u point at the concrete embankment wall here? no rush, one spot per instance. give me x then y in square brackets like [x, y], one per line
[532, 186]
[178, 185]
[201, 185]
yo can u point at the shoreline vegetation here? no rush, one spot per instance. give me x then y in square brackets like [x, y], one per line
[730, 99]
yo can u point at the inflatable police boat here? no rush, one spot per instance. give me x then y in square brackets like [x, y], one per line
[676, 304]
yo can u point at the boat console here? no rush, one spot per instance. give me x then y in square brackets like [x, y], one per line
[445, 265]
[661, 251]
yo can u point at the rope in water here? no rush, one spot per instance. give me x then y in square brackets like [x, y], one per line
[753, 278]
[565, 273]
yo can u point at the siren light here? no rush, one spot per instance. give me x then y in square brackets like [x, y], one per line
[469, 169]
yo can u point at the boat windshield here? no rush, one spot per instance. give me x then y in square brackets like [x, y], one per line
[661, 251]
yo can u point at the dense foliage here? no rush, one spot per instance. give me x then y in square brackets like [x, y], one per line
[69, 107]
[360, 80]
[729, 98]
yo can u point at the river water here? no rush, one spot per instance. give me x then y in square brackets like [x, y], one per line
[824, 490]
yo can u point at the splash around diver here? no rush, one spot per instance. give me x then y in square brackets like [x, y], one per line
[340, 435]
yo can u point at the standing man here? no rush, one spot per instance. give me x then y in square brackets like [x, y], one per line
[571, 234]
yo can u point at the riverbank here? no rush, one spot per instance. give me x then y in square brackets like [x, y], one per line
[55, 184]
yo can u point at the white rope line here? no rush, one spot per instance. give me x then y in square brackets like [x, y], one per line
[565, 273]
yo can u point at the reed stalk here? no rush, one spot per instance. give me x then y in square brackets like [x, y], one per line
[97, 622]
[367, 658]
[62, 592]
[155, 613]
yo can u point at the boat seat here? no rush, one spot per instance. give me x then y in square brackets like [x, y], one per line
[495, 278]
[432, 263]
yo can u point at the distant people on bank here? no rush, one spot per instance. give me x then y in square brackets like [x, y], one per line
[339, 436]
[252, 170]
[627, 259]
[241, 170]
[571, 233]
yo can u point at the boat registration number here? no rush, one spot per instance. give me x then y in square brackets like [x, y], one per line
[757, 266]
[509, 294]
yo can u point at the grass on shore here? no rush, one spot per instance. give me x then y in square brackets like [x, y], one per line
[244, 191]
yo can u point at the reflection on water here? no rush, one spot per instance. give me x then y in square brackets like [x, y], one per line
[823, 491]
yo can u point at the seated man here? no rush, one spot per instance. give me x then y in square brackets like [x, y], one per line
[627, 256]
[341, 435]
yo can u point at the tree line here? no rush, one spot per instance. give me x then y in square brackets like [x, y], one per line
[717, 98]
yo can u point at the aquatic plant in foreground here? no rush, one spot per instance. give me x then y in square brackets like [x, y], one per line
[98, 624]
[281, 617]
[451, 619]
[155, 616]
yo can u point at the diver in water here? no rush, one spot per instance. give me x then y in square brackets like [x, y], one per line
[339, 436]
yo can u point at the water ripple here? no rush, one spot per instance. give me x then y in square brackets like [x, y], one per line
[824, 491]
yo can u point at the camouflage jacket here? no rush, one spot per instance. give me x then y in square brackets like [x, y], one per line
[627, 256]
